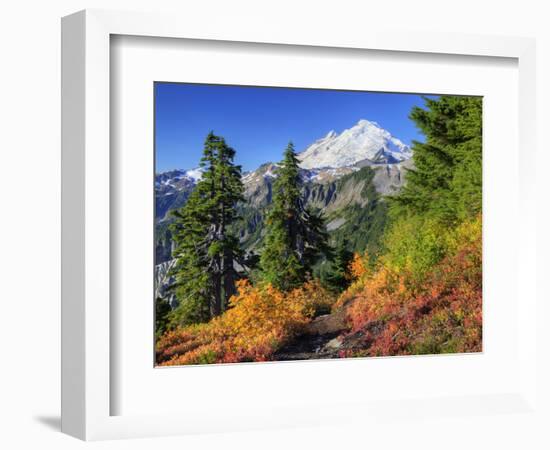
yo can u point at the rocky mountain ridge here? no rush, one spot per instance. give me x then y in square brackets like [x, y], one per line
[323, 162]
[349, 196]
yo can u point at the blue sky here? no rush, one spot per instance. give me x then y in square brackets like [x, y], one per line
[258, 122]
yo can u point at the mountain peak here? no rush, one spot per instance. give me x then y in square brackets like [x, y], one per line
[365, 123]
[170, 177]
[366, 143]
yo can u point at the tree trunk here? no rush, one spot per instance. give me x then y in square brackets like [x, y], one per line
[228, 280]
[216, 300]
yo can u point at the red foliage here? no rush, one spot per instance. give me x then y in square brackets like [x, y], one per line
[390, 312]
[260, 320]
[442, 315]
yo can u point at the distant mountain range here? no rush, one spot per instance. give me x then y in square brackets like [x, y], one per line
[324, 161]
[345, 176]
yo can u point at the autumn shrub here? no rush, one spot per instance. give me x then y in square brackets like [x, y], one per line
[316, 297]
[358, 272]
[359, 266]
[425, 295]
[414, 245]
[259, 321]
[381, 294]
[441, 313]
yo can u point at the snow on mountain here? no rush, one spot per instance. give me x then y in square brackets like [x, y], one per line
[172, 189]
[365, 143]
[327, 159]
[195, 174]
[177, 176]
[268, 172]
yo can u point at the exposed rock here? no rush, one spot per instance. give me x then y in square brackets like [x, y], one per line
[172, 190]
[336, 223]
[320, 339]
[327, 336]
[164, 281]
[389, 178]
[327, 324]
[334, 344]
[306, 347]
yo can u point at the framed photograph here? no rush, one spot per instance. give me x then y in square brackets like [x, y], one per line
[254, 217]
[358, 245]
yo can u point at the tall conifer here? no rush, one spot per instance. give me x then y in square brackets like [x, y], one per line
[337, 277]
[446, 180]
[206, 249]
[295, 236]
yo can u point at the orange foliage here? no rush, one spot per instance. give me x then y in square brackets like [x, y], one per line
[443, 314]
[358, 272]
[358, 267]
[390, 312]
[258, 322]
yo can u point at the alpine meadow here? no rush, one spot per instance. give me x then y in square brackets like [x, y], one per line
[277, 239]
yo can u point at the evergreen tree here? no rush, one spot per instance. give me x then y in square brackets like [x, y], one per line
[445, 182]
[205, 248]
[295, 236]
[337, 278]
[442, 190]
[191, 285]
[162, 311]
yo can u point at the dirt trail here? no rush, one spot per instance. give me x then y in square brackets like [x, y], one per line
[321, 339]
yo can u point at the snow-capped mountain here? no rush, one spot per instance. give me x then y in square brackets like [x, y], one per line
[269, 171]
[172, 177]
[322, 163]
[363, 144]
[172, 189]
[366, 143]
[335, 182]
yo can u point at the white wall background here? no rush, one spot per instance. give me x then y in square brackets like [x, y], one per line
[30, 193]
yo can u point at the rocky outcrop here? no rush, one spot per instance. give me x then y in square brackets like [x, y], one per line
[172, 189]
[327, 324]
[389, 178]
[164, 281]
[332, 191]
[317, 339]
[327, 336]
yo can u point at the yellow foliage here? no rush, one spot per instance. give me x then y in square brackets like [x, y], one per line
[399, 314]
[258, 322]
[395, 310]
[358, 272]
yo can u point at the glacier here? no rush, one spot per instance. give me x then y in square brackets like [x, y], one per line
[364, 143]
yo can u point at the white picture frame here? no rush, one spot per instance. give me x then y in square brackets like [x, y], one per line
[87, 386]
